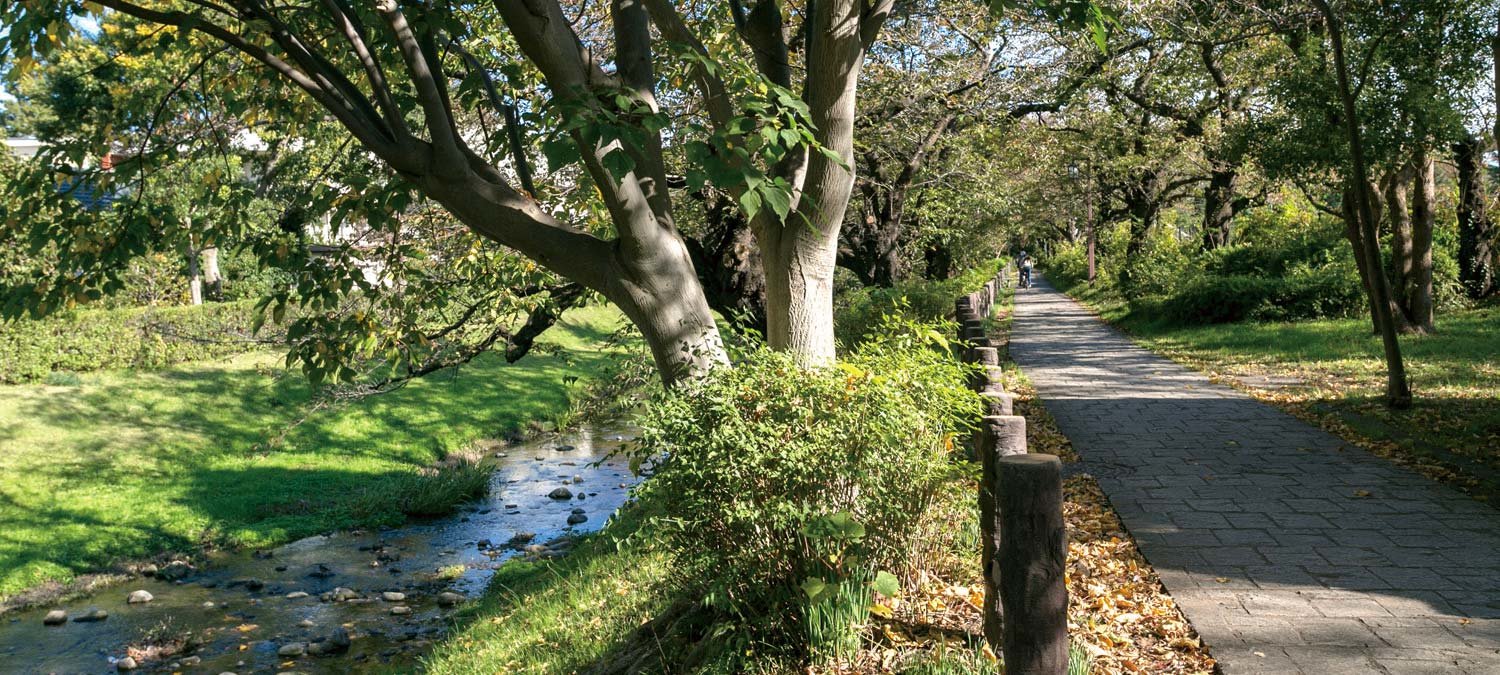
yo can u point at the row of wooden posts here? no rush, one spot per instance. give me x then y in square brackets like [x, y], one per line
[1023, 544]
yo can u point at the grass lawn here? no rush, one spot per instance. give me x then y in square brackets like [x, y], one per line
[128, 464]
[1451, 433]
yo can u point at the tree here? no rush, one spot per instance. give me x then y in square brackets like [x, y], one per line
[1397, 389]
[388, 75]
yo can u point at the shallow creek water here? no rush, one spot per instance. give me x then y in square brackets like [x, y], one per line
[238, 602]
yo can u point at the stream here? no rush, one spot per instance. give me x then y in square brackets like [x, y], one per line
[350, 601]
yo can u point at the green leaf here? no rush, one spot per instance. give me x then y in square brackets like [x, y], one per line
[619, 164]
[814, 587]
[750, 202]
[778, 199]
[560, 152]
[886, 584]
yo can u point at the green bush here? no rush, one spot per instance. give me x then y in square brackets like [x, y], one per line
[775, 485]
[138, 337]
[862, 309]
[1303, 293]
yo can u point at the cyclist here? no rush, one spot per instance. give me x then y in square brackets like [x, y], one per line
[1023, 262]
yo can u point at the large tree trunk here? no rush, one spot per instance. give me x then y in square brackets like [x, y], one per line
[799, 255]
[213, 280]
[1398, 210]
[729, 265]
[1218, 208]
[1476, 231]
[938, 261]
[870, 247]
[1419, 282]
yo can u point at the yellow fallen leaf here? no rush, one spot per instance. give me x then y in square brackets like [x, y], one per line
[881, 610]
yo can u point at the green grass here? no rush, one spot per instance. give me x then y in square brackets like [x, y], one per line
[120, 465]
[560, 616]
[1451, 433]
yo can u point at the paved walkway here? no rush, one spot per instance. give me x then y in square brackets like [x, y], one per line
[1258, 523]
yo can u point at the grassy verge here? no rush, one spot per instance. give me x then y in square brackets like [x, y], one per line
[1331, 372]
[125, 464]
[560, 616]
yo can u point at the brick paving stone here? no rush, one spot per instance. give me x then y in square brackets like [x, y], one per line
[1256, 522]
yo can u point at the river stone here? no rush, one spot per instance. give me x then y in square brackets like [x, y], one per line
[333, 643]
[449, 599]
[577, 479]
[148, 570]
[190, 661]
[174, 570]
[292, 649]
[306, 623]
[392, 596]
[296, 595]
[579, 511]
[564, 448]
[126, 663]
[138, 598]
[55, 617]
[561, 493]
[521, 539]
[91, 617]
[208, 605]
[576, 518]
[400, 610]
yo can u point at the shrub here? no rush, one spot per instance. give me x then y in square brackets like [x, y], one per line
[96, 339]
[1216, 299]
[776, 485]
[862, 309]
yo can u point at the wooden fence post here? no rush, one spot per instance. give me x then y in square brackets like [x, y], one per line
[998, 402]
[998, 436]
[1032, 561]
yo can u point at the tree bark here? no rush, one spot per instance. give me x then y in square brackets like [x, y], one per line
[1218, 207]
[1354, 232]
[799, 254]
[1398, 210]
[1419, 282]
[729, 265]
[1476, 230]
[213, 280]
[938, 261]
[1397, 390]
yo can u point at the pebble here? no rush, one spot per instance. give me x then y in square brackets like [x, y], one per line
[293, 649]
[392, 596]
[174, 570]
[209, 605]
[190, 661]
[449, 599]
[564, 448]
[55, 617]
[126, 663]
[91, 617]
[138, 598]
[561, 493]
[296, 595]
[306, 623]
[576, 518]
[400, 610]
[577, 480]
[579, 511]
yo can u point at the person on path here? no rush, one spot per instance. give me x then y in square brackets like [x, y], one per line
[1023, 262]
